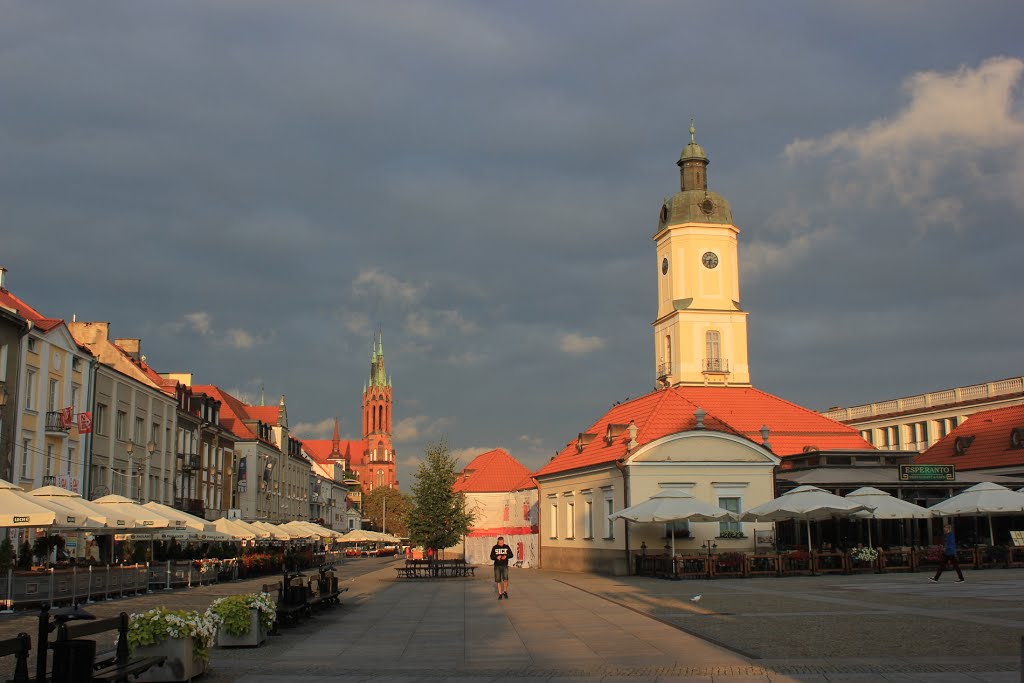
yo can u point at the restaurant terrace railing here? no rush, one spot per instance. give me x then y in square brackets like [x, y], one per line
[803, 563]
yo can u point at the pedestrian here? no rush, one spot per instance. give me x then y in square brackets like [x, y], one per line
[948, 555]
[501, 554]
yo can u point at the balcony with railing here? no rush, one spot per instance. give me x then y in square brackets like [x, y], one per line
[716, 366]
[664, 371]
[189, 461]
[54, 425]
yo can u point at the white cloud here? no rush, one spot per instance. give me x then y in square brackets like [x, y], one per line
[465, 358]
[454, 319]
[419, 427]
[239, 339]
[199, 321]
[324, 429]
[576, 343]
[357, 323]
[417, 325]
[954, 126]
[762, 257]
[373, 282]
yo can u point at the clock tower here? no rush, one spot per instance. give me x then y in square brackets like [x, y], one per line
[700, 334]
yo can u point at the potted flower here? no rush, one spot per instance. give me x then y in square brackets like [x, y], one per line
[183, 636]
[245, 619]
[863, 558]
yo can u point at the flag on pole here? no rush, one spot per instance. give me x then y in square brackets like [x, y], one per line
[67, 417]
[85, 423]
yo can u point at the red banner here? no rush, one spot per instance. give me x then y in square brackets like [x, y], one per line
[85, 423]
[67, 417]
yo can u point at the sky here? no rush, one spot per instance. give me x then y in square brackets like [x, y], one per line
[255, 189]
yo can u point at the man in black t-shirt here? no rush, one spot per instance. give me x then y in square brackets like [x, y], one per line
[501, 554]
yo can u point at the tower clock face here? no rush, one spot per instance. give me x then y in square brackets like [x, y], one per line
[664, 266]
[709, 259]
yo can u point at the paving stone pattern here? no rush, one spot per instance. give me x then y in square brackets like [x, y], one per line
[561, 626]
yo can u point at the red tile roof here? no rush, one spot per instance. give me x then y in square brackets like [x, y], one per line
[494, 471]
[741, 411]
[991, 446]
[320, 450]
[266, 414]
[25, 311]
[233, 413]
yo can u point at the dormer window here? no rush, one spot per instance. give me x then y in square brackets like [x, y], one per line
[961, 444]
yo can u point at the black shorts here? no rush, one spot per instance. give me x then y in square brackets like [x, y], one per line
[500, 573]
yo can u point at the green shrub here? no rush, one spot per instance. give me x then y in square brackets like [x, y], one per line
[234, 612]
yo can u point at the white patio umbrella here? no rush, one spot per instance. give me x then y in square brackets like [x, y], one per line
[228, 526]
[885, 507]
[260, 533]
[276, 533]
[17, 509]
[106, 516]
[807, 503]
[357, 536]
[67, 518]
[185, 520]
[144, 517]
[986, 499]
[674, 505]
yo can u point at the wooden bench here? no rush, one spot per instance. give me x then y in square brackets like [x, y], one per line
[18, 646]
[438, 569]
[118, 668]
[289, 605]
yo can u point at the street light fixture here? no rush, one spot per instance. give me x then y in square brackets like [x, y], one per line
[129, 448]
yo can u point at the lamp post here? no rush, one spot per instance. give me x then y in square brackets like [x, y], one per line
[129, 448]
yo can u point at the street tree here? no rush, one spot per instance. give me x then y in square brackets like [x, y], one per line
[387, 509]
[438, 518]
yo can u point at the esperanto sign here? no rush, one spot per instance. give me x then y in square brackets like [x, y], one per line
[927, 472]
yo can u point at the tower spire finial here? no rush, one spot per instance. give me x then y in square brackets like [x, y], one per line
[693, 131]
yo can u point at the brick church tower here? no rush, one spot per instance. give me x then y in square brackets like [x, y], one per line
[379, 458]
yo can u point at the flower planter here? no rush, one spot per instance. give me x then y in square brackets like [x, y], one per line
[254, 638]
[181, 665]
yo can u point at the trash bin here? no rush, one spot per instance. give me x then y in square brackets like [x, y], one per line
[73, 660]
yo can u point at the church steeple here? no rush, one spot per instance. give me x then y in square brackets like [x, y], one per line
[377, 420]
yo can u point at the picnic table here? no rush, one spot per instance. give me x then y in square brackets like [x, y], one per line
[435, 569]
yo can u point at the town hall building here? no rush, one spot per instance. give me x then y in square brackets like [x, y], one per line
[704, 428]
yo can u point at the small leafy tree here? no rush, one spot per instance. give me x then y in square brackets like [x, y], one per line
[24, 555]
[398, 505]
[438, 517]
[6, 554]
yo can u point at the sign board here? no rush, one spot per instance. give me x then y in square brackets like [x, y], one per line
[1017, 537]
[927, 472]
[764, 538]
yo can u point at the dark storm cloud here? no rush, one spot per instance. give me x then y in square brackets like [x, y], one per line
[256, 188]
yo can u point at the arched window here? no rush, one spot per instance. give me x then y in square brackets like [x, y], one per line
[380, 477]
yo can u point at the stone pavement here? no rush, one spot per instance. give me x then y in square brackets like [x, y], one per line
[562, 626]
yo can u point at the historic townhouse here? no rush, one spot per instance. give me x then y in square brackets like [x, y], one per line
[335, 501]
[132, 449]
[206, 464]
[272, 476]
[12, 328]
[54, 386]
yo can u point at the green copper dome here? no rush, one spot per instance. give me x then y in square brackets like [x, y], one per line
[694, 203]
[695, 206]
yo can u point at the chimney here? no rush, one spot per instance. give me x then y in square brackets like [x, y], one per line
[89, 332]
[133, 347]
[3, 278]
